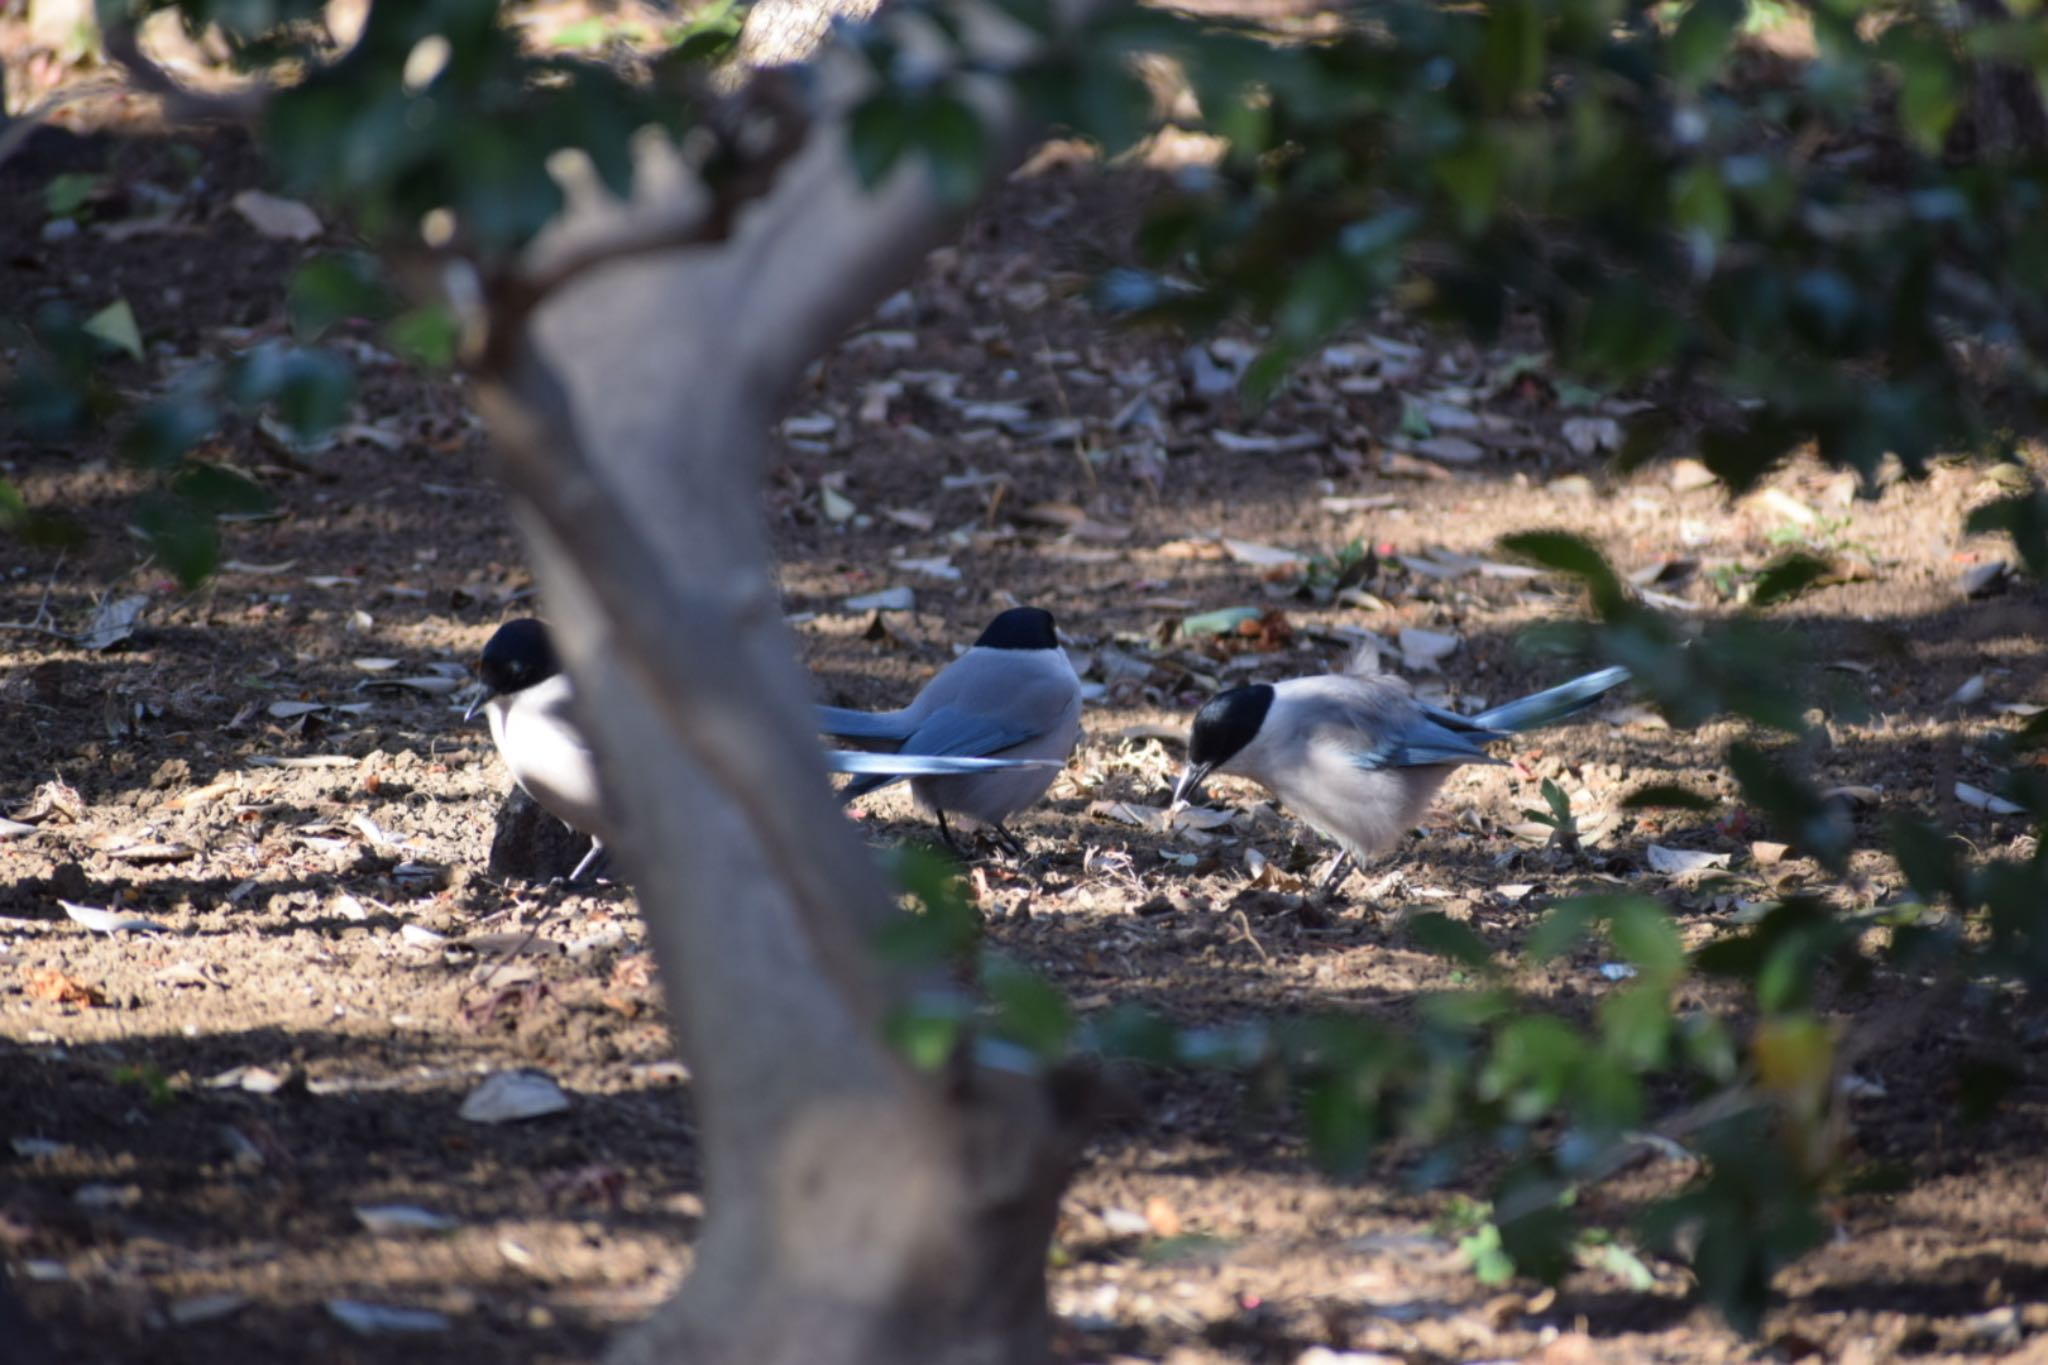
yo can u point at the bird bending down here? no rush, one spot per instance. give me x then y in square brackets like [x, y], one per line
[1014, 695]
[1356, 756]
[531, 705]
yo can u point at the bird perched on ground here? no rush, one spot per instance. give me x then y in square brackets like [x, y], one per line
[1013, 695]
[530, 702]
[1355, 755]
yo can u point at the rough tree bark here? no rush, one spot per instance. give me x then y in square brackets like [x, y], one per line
[779, 32]
[857, 1210]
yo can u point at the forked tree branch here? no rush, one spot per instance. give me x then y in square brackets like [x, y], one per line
[182, 104]
[756, 132]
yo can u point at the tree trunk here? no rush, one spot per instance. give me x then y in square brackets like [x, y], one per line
[856, 1209]
[783, 32]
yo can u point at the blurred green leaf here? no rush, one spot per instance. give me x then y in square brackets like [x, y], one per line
[1702, 38]
[165, 430]
[1787, 578]
[950, 134]
[313, 393]
[115, 325]
[878, 133]
[180, 535]
[1667, 796]
[1570, 554]
[2023, 517]
[928, 1030]
[66, 194]
[1342, 1124]
[216, 490]
[1448, 938]
[1930, 860]
[1644, 933]
[945, 928]
[1796, 811]
[1511, 54]
[332, 289]
[1561, 930]
[428, 335]
[1027, 1009]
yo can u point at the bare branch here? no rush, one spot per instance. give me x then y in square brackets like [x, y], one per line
[182, 104]
[17, 130]
[756, 132]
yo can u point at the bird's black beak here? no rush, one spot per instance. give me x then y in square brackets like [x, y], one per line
[483, 700]
[1190, 784]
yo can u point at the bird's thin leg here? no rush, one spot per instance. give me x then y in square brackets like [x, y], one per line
[595, 858]
[532, 933]
[1009, 842]
[1339, 870]
[947, 834]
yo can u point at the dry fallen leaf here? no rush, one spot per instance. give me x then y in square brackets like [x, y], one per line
[1590, 435]
[1677, 862]
[113, 623]
[1398, 464]
[1262, 556]
[1450, 449]
[154, 851]
[1162, 1216]
[1426, 649]
[53, 987]
[286, 220]
[54, 797]
[512, 1095]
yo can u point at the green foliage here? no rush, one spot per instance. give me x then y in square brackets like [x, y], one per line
[992, 1002]
[939, 125]
[1564, 826]
[150, 1080]
[1599, 164]
[1749, 1215]
[1787, 578]
[58, 393]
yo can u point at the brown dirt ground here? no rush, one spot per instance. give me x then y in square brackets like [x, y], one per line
[157, 1204]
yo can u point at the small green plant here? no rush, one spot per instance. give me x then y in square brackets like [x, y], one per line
[150, 1079]
[1829, 535]
[70, 194]
[1328, 575]
[1564, 826]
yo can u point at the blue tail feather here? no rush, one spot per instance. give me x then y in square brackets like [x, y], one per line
[1553, 704]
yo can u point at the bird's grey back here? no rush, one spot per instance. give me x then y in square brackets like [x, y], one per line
[1033, 690]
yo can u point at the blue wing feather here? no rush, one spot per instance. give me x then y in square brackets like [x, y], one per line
[948, 731]
[835, 720]
[1423, 743]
